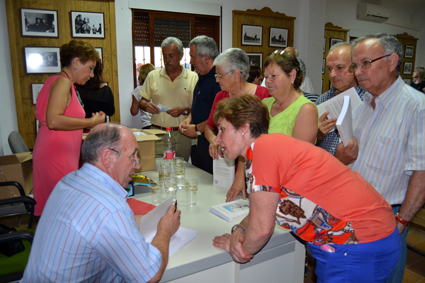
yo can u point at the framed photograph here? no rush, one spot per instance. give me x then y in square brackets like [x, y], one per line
[408, 53]
[407, 81]
[252, 35]
[99, 50]
[324, 44]
[334, 41]
[278, 37]
[35, 90]
[407, 68]
[42, 23]
[323, 65]
[256, 59]
[40, 60]
[87, 24]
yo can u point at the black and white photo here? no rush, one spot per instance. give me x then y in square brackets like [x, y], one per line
[408, 53]
[87, 24]
[99, 50]
[256, 59]
[334, 41]
[252, 35]
[407, 68]
[35, 90]
[407, 81]
[40, 60]
[278, 37]
[41, 23]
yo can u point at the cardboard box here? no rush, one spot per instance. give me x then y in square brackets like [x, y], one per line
[146, 142]
[16, 167]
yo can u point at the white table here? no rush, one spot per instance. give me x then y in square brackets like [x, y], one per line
[280, 260]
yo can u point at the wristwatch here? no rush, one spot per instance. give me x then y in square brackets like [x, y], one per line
[185, 111]
[196, 129]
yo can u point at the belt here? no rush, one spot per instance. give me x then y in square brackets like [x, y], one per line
[165, 128]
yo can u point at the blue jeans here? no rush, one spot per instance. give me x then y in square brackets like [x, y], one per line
[353, 263]
[398, 273]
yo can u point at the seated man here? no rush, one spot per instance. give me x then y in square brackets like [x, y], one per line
[88, 231]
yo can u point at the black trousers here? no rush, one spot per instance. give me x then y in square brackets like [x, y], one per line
[200, 155]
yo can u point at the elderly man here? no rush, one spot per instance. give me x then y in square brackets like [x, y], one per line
[172, 87]
[88, 232]
[203, 51]
[342, 78]
[388, 127]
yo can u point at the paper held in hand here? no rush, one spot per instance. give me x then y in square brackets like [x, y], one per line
[230, 211]
[334, 105]
[344, 123]
[149, 224]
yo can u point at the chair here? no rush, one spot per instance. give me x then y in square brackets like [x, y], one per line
[17, 143]
[12, 268]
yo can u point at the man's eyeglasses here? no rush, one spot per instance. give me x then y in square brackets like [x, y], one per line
[366, 64]
[217, 76]
[136, 161]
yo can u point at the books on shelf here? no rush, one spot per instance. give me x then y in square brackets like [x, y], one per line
[344, 123]
[233, 210]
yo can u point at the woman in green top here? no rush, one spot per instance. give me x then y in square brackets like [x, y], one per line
[291, 113]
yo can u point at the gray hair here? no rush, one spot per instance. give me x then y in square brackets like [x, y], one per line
[302, 66]
[173, 40]
[204, 45]
[234, 59]
[389, 43]
[297, 54]
[338, 45]
[99, 139]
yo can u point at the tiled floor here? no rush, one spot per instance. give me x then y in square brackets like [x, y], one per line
[415, 264]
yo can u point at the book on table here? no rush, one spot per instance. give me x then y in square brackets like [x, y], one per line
[344, 123]
[233, 210]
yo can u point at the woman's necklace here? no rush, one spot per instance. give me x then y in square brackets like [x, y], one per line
[78, 94]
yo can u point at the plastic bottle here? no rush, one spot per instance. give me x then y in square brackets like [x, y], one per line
[169, 145]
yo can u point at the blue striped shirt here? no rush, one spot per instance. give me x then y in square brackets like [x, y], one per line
[87, 233]
[331, 141]
[391, 139]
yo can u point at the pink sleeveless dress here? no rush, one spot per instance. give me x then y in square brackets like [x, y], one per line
[56, 153]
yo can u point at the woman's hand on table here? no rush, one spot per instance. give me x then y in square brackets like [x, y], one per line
[237, 187]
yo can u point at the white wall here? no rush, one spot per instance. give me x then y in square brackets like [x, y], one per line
[8, 116]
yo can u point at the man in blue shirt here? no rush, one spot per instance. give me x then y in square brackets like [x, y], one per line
[342, 78]
[203, 51]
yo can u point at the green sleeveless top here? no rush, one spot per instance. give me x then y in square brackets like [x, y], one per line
[284, 122]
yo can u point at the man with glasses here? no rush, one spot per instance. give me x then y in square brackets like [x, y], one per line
[172, 88]
[388, 127]
[342, 78]
[87, 231]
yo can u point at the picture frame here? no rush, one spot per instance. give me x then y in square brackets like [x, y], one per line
[407, 68]
[256, 59]
[324, 44]
[335, 41]
[278, 37]
[252, 35]
[35, 90]
[408, 52]
[407, 81]
[39, 23]
[87, 24]
[323, 65]
[99, 50]
[42, 60]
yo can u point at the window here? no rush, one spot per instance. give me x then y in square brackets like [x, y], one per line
[151, 28]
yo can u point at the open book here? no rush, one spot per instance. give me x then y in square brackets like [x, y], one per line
[149, 223]
[344, 123]
[230, 211]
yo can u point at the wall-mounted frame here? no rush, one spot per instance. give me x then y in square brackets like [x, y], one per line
[335, 41]
[41, 60]
[407, 68]
[252, 35]
[324, 44]
[99, 50]
[408, 53]
[278, 37]
[87, 24]
[323, 65]
[256, 59]
[41, 23]
[407, 81]
[35, 90]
